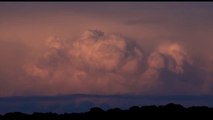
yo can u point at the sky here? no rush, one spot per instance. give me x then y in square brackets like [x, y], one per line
[106, 48]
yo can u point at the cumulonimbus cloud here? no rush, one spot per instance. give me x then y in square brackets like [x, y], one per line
[169, 55]
[103, 63]
[172, 71]
[110, 60]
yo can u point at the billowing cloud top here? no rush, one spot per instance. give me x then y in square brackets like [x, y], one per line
[95, 62]
[102, 63]
[107, 52]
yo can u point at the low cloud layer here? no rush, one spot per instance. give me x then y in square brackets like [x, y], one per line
[107, 63]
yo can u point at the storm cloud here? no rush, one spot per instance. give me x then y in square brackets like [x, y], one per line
[102, 63]
[96, 62]
[108, 63]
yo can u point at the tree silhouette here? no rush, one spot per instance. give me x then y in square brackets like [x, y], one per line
[169, 111]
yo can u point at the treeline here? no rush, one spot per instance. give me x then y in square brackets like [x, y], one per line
[169, 111]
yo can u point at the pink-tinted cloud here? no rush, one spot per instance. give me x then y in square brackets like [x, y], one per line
[172, 71]
[106, 63]
[94, 63]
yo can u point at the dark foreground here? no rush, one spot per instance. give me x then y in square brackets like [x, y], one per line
[169, 111]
